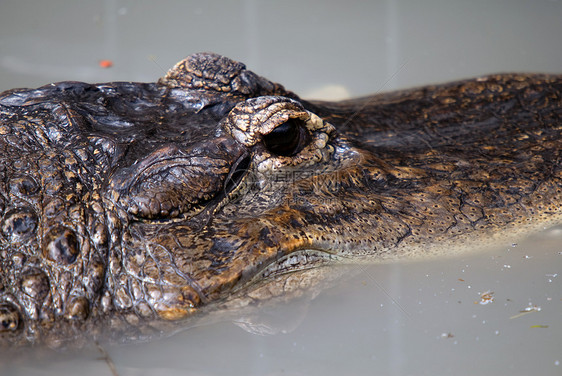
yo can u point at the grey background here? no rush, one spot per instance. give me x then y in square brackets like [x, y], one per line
[419, 318]
[302, 44]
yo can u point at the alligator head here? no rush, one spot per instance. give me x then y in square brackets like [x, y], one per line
[149, 201]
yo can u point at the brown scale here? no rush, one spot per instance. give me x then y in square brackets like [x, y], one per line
[126, 208]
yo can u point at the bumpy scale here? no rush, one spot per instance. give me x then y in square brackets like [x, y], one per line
[127, 207]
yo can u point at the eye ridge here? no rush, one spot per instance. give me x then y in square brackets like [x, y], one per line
[286, 139]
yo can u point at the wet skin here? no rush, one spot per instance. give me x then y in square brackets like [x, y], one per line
[128, 205]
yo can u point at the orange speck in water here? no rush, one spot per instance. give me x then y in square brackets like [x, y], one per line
[106, 63]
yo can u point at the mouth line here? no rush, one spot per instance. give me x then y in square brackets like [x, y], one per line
[294, 262]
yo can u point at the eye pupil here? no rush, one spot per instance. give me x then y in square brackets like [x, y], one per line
[286, 139]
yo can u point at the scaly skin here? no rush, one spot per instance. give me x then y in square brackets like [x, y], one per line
[127, 206]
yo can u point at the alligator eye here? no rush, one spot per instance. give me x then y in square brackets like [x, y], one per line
[287, 139]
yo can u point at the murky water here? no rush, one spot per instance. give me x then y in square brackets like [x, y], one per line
[493, 313]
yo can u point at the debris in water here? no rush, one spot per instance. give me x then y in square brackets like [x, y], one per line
[539, 326]
[486, 298]
[527, 310]
[105, 63]
[447, 335]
